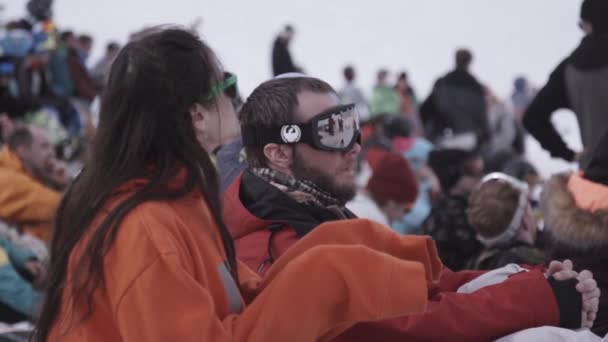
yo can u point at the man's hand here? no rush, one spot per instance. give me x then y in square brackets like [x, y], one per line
[587, 286]
[561, 270]
[57, 173]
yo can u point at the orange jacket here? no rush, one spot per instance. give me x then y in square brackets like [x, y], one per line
[166, 281]
[23, 199]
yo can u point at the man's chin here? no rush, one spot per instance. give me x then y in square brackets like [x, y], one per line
[347, 191]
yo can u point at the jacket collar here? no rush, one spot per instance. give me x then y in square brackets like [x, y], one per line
[252, 204]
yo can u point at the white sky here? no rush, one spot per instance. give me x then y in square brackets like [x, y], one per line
[509, 38]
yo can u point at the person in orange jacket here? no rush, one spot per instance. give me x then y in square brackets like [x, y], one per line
[140, 251]
[30, 177]
[300, 177]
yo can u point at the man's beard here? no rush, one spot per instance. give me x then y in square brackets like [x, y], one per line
[322, 180]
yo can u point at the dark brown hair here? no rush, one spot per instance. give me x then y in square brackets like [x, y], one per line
[145, 121]
[273, 103]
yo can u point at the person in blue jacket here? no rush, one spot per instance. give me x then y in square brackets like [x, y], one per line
[18, 297]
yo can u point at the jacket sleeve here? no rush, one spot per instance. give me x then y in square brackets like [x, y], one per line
[523, 301]
[428, 110]
[430, 115]
[317, 310]
[24, 200]
[450, 281]
[537, 118]
[14, 290]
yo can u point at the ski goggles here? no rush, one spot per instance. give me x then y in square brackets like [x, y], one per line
[334, 130]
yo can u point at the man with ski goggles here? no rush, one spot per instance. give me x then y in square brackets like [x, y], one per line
[301, 149]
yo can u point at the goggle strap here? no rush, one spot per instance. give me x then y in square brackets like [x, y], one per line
[284, 134]
[226, 83]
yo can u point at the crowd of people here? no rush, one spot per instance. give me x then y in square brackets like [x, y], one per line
[143, 199]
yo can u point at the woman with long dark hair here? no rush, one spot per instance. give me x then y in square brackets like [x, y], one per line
[140, 251]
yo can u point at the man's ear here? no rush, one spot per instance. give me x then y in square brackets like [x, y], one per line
[279, 156]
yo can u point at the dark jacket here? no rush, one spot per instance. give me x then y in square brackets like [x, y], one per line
[456, 239]
[458, 103]
[579, 83]
[84, 86]
[281, 58]
[265, 223]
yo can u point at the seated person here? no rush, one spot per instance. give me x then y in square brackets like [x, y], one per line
[458, 172]
[30, 180]
[300, 177]
[19, 300]
[500, 211]
[575, 210]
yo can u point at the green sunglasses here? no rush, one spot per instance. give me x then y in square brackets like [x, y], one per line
[228, 86]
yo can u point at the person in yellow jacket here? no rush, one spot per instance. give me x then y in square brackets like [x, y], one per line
[140, 251]
[30, 177]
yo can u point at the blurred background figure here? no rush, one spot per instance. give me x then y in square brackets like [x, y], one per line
[459, 172]
[351, 93]
[101, 69]
[521, 97]
[502, 126]
[409, 102]
[579, 83]
[457, 107]
[282, 61]
[385, 99]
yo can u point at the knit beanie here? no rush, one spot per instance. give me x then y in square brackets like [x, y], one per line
[393, 180]
[596, 13]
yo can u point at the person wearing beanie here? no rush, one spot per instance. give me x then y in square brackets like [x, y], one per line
[416, 150]
[458, 172]
[575, 210]
[390, 192]
[501, 213]
[579, 83]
